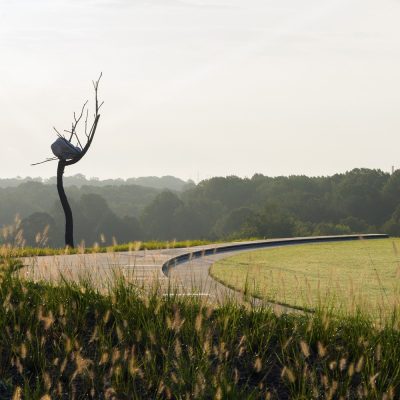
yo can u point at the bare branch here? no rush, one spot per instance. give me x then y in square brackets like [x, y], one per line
[96, 87]
[58, 133]
[75, 124]
[89, 133]
[79, 142]
[86, 119]
[45, 161]
[83, 109]
[74, 134]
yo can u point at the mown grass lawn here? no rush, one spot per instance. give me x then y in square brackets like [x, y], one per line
[363, 273]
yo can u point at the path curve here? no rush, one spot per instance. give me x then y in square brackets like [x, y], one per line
[190, 269]
[185, 270]
[259, 244]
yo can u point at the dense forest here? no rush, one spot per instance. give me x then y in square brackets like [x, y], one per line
[361, 200]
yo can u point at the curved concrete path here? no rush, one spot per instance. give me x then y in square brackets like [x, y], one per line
[191, 270]
[185, 271]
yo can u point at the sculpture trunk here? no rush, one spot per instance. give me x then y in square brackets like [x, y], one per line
[69, 223]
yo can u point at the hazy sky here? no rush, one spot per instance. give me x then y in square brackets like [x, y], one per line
[197, 88]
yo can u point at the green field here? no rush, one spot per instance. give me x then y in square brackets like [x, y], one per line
[364, 273]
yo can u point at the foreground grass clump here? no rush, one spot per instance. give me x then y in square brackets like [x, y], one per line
[71, 342]
[362, 273]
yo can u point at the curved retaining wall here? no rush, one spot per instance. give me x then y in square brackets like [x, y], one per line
[259, 244]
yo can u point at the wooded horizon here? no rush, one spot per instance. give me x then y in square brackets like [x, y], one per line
[220, 208]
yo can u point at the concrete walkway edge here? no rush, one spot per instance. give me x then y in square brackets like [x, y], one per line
[259, 244]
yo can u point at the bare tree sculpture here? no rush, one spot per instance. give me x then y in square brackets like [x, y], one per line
[70, 154]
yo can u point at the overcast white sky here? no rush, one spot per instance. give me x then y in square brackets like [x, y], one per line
[198, 88]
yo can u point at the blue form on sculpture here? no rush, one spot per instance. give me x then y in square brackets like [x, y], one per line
[65, 150]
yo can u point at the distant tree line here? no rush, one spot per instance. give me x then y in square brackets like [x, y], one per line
[79, 180]
[361, 200]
